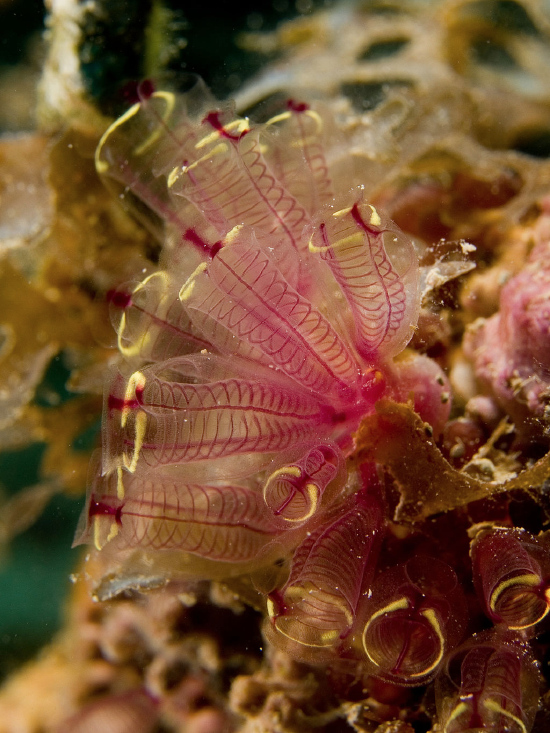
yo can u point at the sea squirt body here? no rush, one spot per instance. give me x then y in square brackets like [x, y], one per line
[249, 358]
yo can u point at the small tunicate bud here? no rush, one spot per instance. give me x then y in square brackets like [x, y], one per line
[508, 576]
[490, 683]
[415, 615]
[293, 491]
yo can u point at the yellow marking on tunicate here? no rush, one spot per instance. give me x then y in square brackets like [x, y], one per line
[101, 165]
[286, 470]
[278, 118]
[173, 175]
[137, 347]
[189, 284]
[220, 149]
[126, 350]
[139, 344]
[136, 381]
[311, 488]
[430, 614]
[342, 212]
[112, 532]
[531, 581]
[239, 125]
[326, 637]
[160, 275]
[170, 100]
[301, 592]
[119, 484]
[462, 707]
[494, 707]
[98, 532]
[375, 219]
[232, 234]
[353, 239]
[316, 117]
[329, 636]
[399, 605]
[313, 492]
[140, 425]
[311, 113]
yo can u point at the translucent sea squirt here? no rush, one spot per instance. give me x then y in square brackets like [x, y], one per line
[330, 571]
[416, 615]
[248, 359]
[510, 569]
[491, 683]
